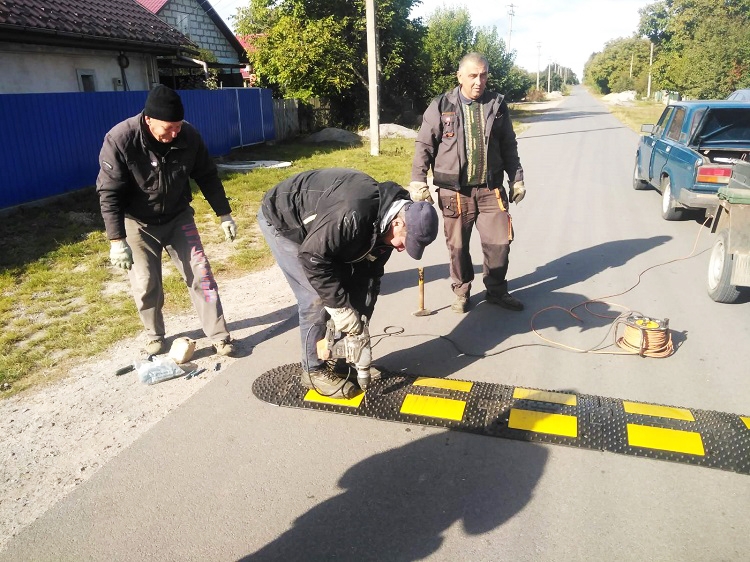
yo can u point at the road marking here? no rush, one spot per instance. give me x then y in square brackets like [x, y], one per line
[433, 407]
[543, 422]
[354, 402]
[658, 411]
[447, 384]
[544, 396]
[674, 440]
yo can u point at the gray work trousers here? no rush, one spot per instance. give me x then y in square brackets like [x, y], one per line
[488, 210]
[183, 244]
[312, 313]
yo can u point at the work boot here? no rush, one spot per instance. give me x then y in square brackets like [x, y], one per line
[460, 305]
[506, 300]
[327, 383]
[156, 346]
[224, 347]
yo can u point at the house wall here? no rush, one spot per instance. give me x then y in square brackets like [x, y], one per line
[190, 19]
[29, 69]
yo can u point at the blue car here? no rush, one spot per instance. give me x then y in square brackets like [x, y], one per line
[689, 153]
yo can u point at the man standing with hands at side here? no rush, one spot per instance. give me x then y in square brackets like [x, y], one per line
[146, 164]
[467, 139]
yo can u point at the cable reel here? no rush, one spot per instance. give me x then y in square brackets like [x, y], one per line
[648, 337]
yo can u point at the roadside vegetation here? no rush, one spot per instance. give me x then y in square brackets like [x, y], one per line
[701, 49]
[306, 49]
[637, 113]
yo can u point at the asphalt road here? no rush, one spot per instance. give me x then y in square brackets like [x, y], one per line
[228, 477]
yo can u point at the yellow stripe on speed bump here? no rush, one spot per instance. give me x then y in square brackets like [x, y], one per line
[447, 384]
[674, 440]
[746, 421]
[543, 422]
[545, 396]
[313, 396]
[658, 411]
[433, 407]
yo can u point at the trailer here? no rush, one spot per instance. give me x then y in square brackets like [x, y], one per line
[729, 264]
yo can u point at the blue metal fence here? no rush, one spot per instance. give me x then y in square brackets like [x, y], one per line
[49, 143]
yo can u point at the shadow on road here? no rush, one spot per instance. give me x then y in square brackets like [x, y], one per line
[485, 326]
[396, 505]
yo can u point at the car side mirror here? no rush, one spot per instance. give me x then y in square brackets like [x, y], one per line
[647, 128]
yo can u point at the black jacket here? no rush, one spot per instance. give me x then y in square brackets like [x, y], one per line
[335, 216]
[152, 185]
[441, 145]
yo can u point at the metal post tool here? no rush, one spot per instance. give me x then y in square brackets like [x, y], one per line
[422, 311]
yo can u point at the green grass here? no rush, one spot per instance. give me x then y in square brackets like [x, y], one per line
[640, 113]
[60, 299]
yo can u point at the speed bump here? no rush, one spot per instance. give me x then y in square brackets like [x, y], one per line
[685, 435]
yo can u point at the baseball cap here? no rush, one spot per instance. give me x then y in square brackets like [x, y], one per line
[421, 227]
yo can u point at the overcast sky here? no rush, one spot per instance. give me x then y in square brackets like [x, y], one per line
[567, 30]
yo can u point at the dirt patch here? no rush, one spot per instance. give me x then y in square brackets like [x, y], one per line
[56, 437]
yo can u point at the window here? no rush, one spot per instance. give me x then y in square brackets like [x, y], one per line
[676, 125]
[666, 114]
[86, 80]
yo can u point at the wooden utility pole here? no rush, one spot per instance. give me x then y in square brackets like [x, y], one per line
[372, 78]
[650, 62]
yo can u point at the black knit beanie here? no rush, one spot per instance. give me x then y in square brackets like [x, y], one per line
[164, 104]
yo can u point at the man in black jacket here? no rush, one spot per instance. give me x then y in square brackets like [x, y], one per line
[146, 163]
[331, 232]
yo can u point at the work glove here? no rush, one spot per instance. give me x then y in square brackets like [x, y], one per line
[120, 254]
[420, 191]
[517, 191]
[229, 227]
[345, 320]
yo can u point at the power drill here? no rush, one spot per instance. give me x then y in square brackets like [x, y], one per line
[355, 350]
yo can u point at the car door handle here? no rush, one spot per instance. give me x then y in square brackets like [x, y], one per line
[668, 149]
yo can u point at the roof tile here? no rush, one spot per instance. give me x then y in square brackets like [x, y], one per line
[103, 19]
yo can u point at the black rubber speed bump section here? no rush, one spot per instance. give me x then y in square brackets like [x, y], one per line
[699, 437]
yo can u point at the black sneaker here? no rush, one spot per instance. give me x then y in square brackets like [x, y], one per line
[327, 383]
[506, 300]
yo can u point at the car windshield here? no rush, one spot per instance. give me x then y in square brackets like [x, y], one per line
[722, 125]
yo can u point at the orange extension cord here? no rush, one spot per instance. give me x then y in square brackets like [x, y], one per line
[641, 336]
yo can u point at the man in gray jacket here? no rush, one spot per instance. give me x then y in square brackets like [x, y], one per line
[146, 164]
[467, 139]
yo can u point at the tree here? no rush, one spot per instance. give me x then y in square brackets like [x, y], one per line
[701, 46]
[450, 36]
[610, 70]
[305, 48]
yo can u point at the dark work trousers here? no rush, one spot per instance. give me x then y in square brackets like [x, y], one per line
[312, 314]
[183, 244]
[487, 208]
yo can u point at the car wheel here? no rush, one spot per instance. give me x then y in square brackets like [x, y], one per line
[720, 271]
[638, 183]
[669, 209]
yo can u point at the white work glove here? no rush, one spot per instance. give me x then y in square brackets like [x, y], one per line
[229, 227]
[420, 191]
[517, 191]
[120, 254]
[346, 320]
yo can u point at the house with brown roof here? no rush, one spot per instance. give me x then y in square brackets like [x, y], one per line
[199, 21]
[83, 46]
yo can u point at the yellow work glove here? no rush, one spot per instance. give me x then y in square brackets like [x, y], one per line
[229, 227]
[517, 191]
[120, 254]
[420, 191]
